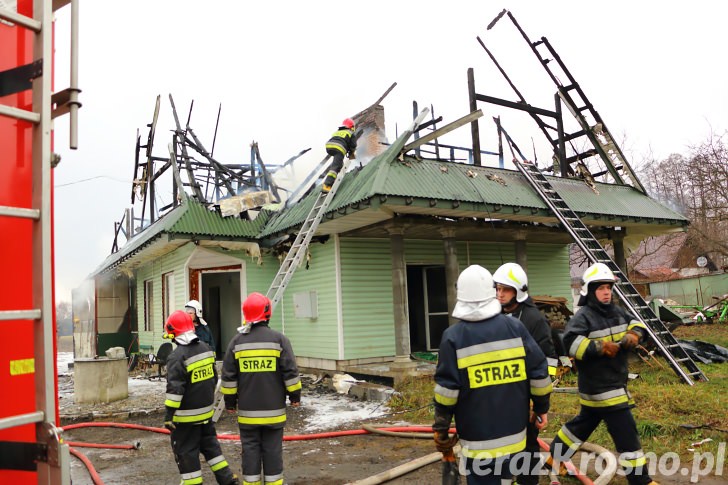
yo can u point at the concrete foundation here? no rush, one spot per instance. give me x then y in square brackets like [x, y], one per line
[100, 380]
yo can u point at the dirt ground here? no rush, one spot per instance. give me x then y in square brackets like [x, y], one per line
[329, 461]
[322, 461]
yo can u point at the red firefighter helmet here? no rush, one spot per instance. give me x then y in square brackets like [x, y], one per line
[178, 323]
[256, 308]
[349, 123]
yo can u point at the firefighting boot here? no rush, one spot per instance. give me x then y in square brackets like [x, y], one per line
[328, 181]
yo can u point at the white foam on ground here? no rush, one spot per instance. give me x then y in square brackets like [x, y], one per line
[334, 411]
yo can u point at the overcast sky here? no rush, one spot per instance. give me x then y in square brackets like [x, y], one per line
[287, 73]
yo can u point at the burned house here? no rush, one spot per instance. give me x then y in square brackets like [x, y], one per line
[378, 282]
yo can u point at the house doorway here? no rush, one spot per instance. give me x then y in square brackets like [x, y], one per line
[427, 306]
[220, 293]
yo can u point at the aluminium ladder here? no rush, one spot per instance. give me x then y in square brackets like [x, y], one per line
[677, 357]
[293, 260]
[300, 244]
[578, 104]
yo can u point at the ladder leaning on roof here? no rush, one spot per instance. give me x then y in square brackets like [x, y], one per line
[674, 353]
[677, 357]
[303, 239]
[293, 260]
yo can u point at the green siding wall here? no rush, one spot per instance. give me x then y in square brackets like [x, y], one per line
[172, 262]
[366, 290]
[548, 264]
[366, 273]
[310, 337]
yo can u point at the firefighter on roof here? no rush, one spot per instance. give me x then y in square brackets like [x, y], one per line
[599, 337]
[189, 403]
[488, 371]
[259, 370]
[342, 143]
[511, 286]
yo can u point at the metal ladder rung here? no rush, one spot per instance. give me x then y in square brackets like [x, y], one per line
[19, 114]
[22, 20]
[20, 315]
[19, 212]
[22, 419]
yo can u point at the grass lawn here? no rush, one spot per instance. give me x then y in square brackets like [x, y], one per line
[664, 402]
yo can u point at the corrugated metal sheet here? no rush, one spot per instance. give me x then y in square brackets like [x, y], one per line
[198, 220]
[468, 184]
[366, 287]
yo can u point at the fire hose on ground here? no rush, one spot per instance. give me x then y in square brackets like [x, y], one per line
[396, 431]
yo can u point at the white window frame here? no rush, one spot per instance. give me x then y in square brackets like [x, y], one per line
[149, 305]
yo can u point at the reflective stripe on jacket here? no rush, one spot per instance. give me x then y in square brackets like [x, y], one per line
[259, 370]
[342, 140]
[191, 380]
[487, 374]
[602, 380]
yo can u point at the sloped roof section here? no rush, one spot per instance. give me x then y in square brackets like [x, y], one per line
[457, 182]
[197, 220]
[190, 219]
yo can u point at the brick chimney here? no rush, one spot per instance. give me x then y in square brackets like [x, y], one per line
[372, 140]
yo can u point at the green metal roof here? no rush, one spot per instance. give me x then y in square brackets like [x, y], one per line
[197, 220]
[430, 180]
[190, 219]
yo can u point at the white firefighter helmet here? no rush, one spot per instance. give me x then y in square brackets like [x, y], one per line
[597, 272]
[196, 306]
[476, 298]
[511, 274]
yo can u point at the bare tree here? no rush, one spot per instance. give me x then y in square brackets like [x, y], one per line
[697, 186]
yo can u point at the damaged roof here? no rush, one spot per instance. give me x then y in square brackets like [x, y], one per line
[189, 220]
[453, 189]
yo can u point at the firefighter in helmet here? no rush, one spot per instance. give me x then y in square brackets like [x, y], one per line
[511, 286]
[203, 331]
[259, 371]
[189, 403]
[488, 372]
[342, 143]
[599, 337]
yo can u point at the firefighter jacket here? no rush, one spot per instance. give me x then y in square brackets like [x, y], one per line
[487, 374]
[191, 380]
[259, 370]
[539, 328]
[343, 140]
[602, 380]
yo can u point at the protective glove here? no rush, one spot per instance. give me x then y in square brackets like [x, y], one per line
[296, 404]
[630, 340]
[444, 443]
[609, 349]
[170, 425]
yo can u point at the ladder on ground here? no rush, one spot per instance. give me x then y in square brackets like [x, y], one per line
[677, 357]
[598, 135]
[47, 457]
[300, 244]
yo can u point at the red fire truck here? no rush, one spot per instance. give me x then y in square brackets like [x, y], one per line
[31, 451]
